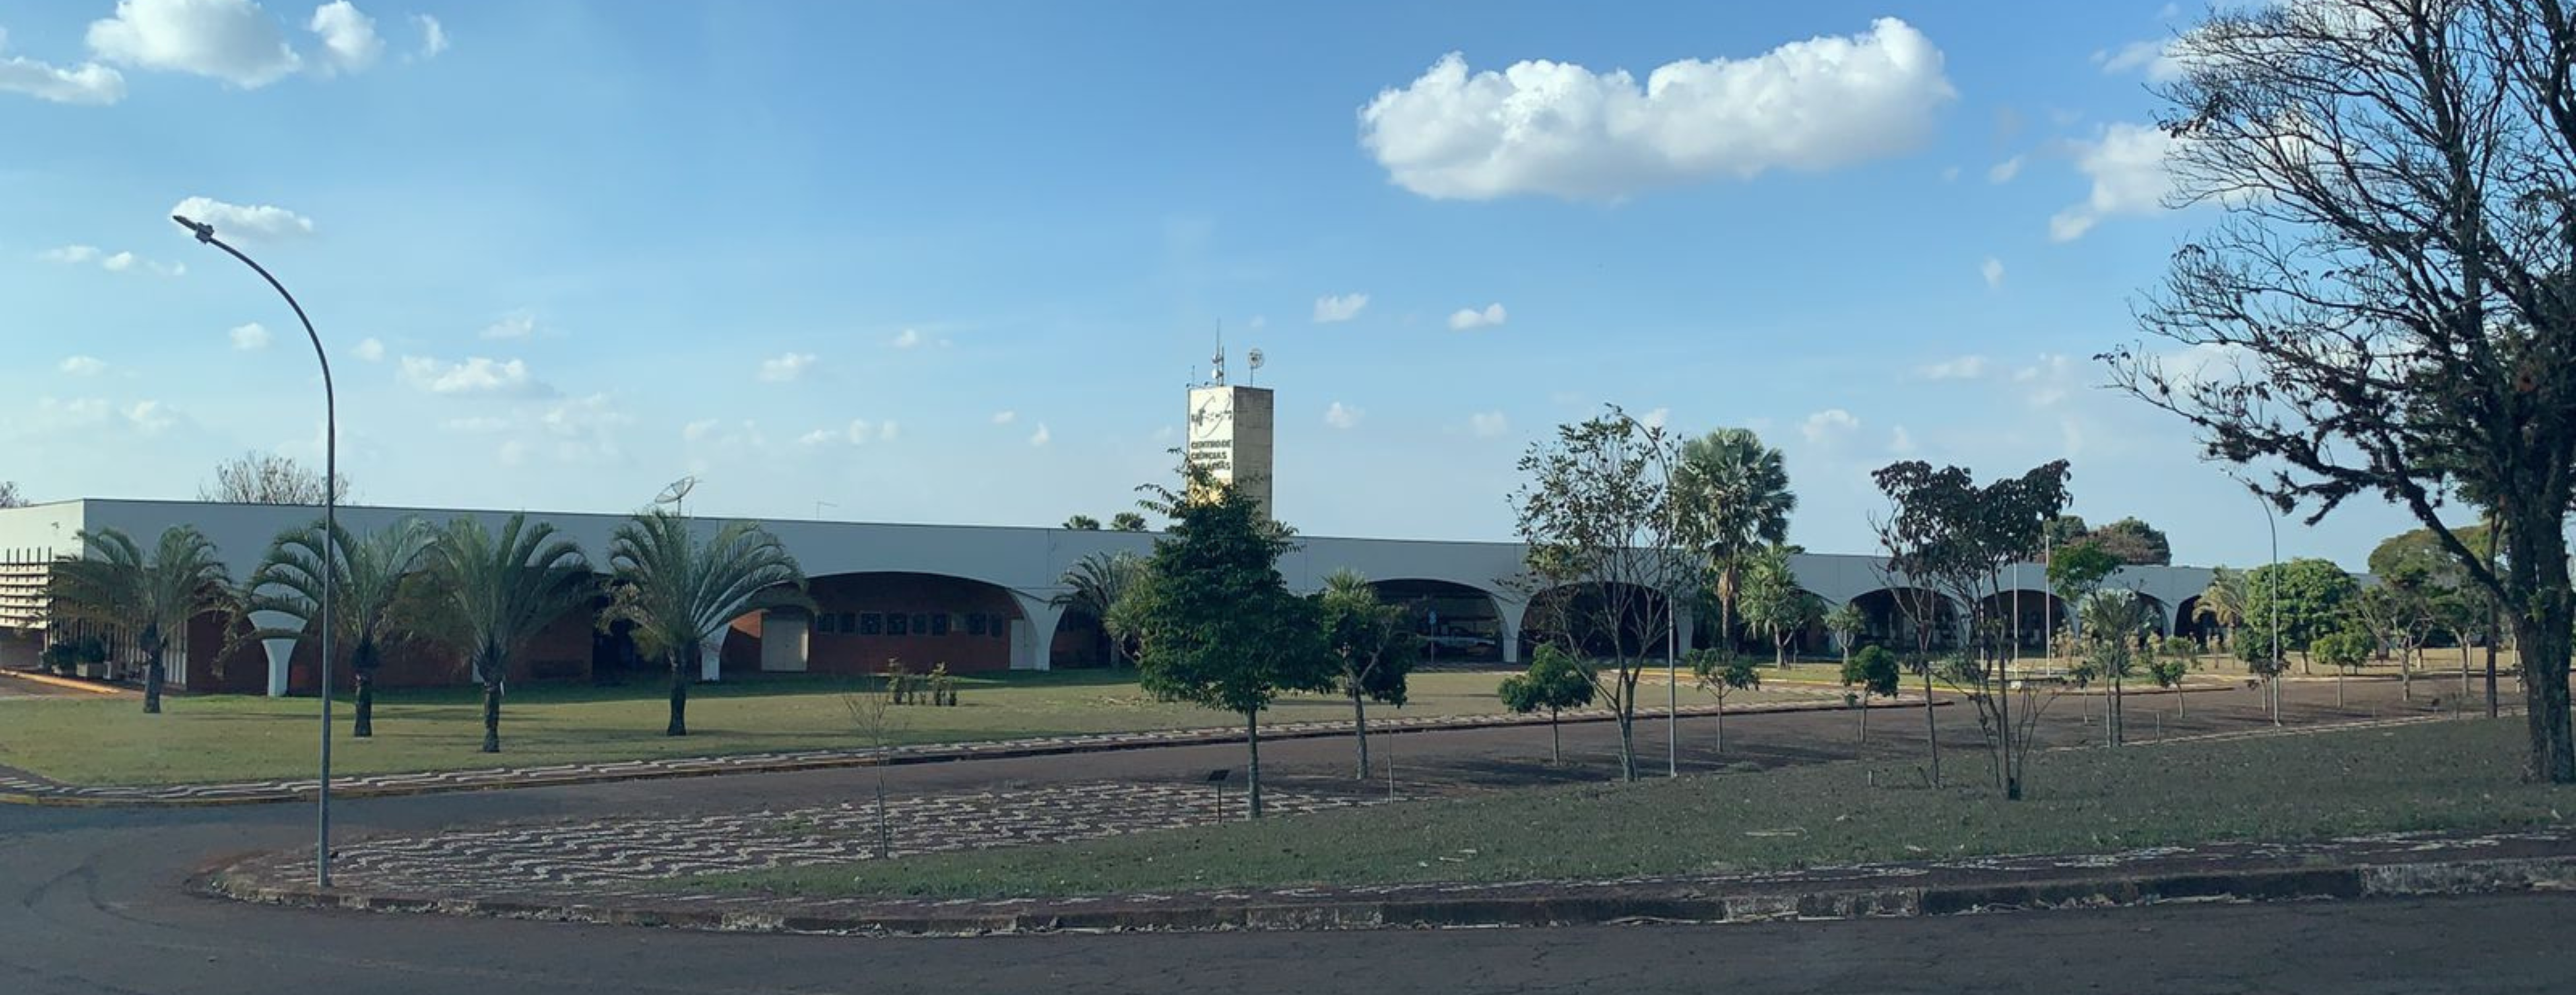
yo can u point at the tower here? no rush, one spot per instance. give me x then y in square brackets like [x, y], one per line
[1230, 432]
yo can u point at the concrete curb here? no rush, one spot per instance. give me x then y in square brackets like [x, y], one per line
[1644, 905]
[183, 796]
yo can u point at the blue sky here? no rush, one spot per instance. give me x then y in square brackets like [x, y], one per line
[952, 262]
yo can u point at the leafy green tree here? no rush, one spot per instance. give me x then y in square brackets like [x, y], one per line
[2342, 649]
[2075, 571]
[682, 594]
[1372, 644]
[1554, 682]
[2113, 618]
[1094, 586]
[2313, 597]
[491, 594]
[1722, 672]
[1950, 534]
[115, 583]
[1082, 523]
[1846, 623]
[1218, 627]
[1127, 521]
[1872, 672]
[2062, 530]
[1732, 495]
[1774, 604]
[2133, 542]
[2399, 613]
[1597, 515]
[2387, 291]
[375, 594]
[2169, 665]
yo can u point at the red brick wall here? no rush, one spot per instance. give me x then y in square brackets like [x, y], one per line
[916, 597]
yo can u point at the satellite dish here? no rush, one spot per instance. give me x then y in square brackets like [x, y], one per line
[677, 493]
[1254, 358]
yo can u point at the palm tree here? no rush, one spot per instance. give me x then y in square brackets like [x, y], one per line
[491, 595]
[114, 583]
[373, 591]
[1094, 586]
[2222, 603]
[681, 594]
[1846, 623]
[2113, 617]
[1734, 497]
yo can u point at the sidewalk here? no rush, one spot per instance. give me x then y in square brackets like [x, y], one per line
[23, 788]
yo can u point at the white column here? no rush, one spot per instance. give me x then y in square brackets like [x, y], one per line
[711, 656]
[782, 641]
[279, 651]
[1033, 635]
[1509, 614]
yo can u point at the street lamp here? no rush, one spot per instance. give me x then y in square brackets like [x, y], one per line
[2272, 521]
[331, 538]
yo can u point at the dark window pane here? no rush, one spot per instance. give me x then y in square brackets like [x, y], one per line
[974, 623]
[920, 622]
[847, 619]
[823, 623]
[939, 624]
[871, 624]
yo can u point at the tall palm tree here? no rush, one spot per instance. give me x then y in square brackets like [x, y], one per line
[491, 594]
[1734, 496]
[1094, 586]
[682, 594]
[2222, 603]
[115, 583]
[373, 591]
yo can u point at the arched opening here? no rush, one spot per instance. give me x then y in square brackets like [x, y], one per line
[1896, 617]
[1597, 620]
[1082, 642]
[2159, 614]
[2028, 616]
[1458, 623]
[864, 621]
[2187, 624]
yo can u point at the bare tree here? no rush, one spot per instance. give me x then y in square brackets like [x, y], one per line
[255, 477]
[9, 496]
[2387, 308]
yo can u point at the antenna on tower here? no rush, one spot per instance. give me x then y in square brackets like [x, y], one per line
[1217, 378]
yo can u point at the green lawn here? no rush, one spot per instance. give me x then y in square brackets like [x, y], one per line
[231, 737]
[2460, 775]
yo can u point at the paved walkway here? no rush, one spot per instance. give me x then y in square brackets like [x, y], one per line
[26, 788]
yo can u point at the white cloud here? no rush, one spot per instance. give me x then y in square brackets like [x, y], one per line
[697, 430]
[2049, 380]
[117, 262]
[2130, 176]
[250, 336]
[859, 432]
[1488, 424]
[83, 366]
[1342, 307]
[88, 83]
[349, 40]
[585, 429]
[1829, 425]
[1993, 270]
[70, 254]
[1900, 441]
[1340, 415]
[2003, 172]
[1005, 417]
[230, 40]
[371, 350]
[1967, 367]
[821, 436]
[259, 222]
[2159, 58]
[514, 325]
[150, 417]
[906, 339]
[1950, 174]
[888, 431]
[1656, 418]
[1561, 130]
[1470, 319]
[786, 367]
[433, 36]
[476, 375]
[1041, 437]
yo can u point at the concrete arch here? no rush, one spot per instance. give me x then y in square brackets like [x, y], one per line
[1459, 623]
[1580, 626]
[2032, 614]
[1888, 618]
[865, 620]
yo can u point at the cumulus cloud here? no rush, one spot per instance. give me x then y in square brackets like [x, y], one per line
[2127, 165]
[1488, 424]
[786, 367]
[1041, 437]
[150, 417]
[860, 432]
[1341, 307]
[1993, 270]
[1967, 367]
[349, 40]
[113, 262]
[1470, 319]
[2003, 172]
[515, 325]
[906, 339]
[433, 36]
[585, 428]
[88, 83]
[1561, 130]
[477, 375]
[823, 436]
[1829, 425]
[250, 336]
[230, 40]
[697, 430]
[83, 366]
[1341, 415]
[261, 221]
[1005, 417]
[2159, 58]
[2047, 381]
[1656, 418]
[371, 350]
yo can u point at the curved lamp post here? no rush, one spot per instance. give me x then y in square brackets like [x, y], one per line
[331, 538]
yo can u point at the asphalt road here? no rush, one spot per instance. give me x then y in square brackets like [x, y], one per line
[96, 904]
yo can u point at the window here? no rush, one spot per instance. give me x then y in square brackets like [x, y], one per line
[939, 624]
[823, 623]
[975, 623]
[846, 619]
[920, 623]
[872, 624]
[895, 625]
